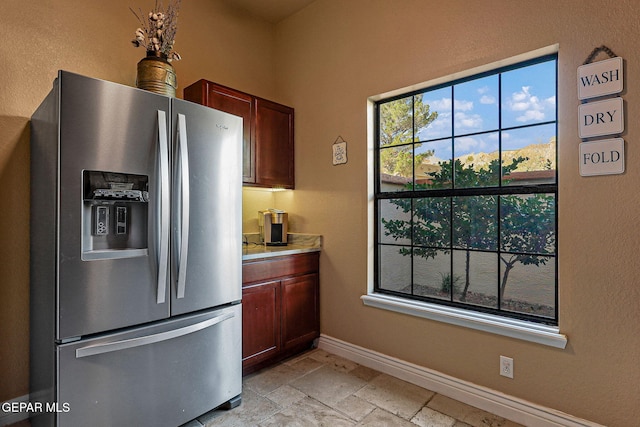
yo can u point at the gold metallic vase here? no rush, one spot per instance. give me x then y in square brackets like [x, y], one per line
[156, 74]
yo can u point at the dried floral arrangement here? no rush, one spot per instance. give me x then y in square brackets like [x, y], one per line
[157, 33]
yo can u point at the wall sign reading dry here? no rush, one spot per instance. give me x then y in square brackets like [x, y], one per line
[604, 117]
[601, 118]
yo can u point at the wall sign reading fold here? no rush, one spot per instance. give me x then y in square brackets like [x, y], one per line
[604, 157]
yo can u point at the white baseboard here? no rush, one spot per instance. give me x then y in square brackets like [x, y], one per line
[503, 405]
[10, 417]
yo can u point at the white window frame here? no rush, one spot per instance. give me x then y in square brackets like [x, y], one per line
[500, 325]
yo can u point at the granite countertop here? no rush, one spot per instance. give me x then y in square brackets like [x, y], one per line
[297, 243]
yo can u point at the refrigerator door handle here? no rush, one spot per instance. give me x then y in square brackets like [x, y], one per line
[163, 241]
[184, 204]
[109, 347]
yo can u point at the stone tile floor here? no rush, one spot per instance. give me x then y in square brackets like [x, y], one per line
[320, 389]
[317, 388]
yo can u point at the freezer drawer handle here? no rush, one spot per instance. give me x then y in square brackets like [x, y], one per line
[93, 350]
[184, 204]
[163, 240]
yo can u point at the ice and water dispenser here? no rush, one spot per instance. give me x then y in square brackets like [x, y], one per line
[115, 212]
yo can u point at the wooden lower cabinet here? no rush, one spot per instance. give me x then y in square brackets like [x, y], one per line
[280, 308]
[260, 322]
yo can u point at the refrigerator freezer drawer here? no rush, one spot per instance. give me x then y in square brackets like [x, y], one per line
[162, 375]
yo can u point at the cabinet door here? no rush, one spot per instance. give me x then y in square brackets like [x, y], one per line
[274, 144]
[260, 322]
[233, 102]
[300, 317]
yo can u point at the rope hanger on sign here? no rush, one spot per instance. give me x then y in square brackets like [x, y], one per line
[596, 51]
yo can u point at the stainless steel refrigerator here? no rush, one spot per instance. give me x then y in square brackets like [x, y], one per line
[135, 257]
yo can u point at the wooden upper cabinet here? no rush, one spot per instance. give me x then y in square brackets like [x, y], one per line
[233, 102]
[274, 144]
[267, 135]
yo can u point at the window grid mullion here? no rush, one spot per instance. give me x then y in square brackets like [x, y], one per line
[413, 187]
[413, 245]
[451, 239]
[453, 138]
[499, 197]
[413, 142]
[499, 250]
[556, 204]
[453, 187]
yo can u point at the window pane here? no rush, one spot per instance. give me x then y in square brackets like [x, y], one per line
[529, 95]
[475, 274]
[529, 284]
[424, 165]
[395, 221]
[396, 122]
[436, 168]
[395, 268]
[529, 155]
[439, 101]
[476, 105]
[424, 115]
[396, 168]
[475, 222]
[431, 222]
[528, 224]
[476, 161]
[431, 272]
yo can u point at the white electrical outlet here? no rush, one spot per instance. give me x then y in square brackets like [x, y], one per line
[506, 366]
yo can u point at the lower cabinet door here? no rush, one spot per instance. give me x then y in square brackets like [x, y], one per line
[261, 322]
[300, 319]
[161, 375]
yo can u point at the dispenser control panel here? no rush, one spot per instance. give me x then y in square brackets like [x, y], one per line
[101, 220]
[121, 220]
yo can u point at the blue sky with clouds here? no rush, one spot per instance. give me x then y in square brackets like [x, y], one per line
[528, 97]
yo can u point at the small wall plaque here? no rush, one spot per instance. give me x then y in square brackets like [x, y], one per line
[600, 78]
[604, 157]
[339, 151]
[601, 118]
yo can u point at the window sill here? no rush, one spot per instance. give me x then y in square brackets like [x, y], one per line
[519, 329]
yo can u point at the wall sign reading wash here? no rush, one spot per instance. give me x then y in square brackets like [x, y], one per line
[600, 78]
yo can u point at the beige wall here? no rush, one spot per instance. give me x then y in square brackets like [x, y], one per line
[326, 61]
[335, 54]
[92, 38]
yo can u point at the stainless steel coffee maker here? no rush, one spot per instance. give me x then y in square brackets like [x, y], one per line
[272, 224]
